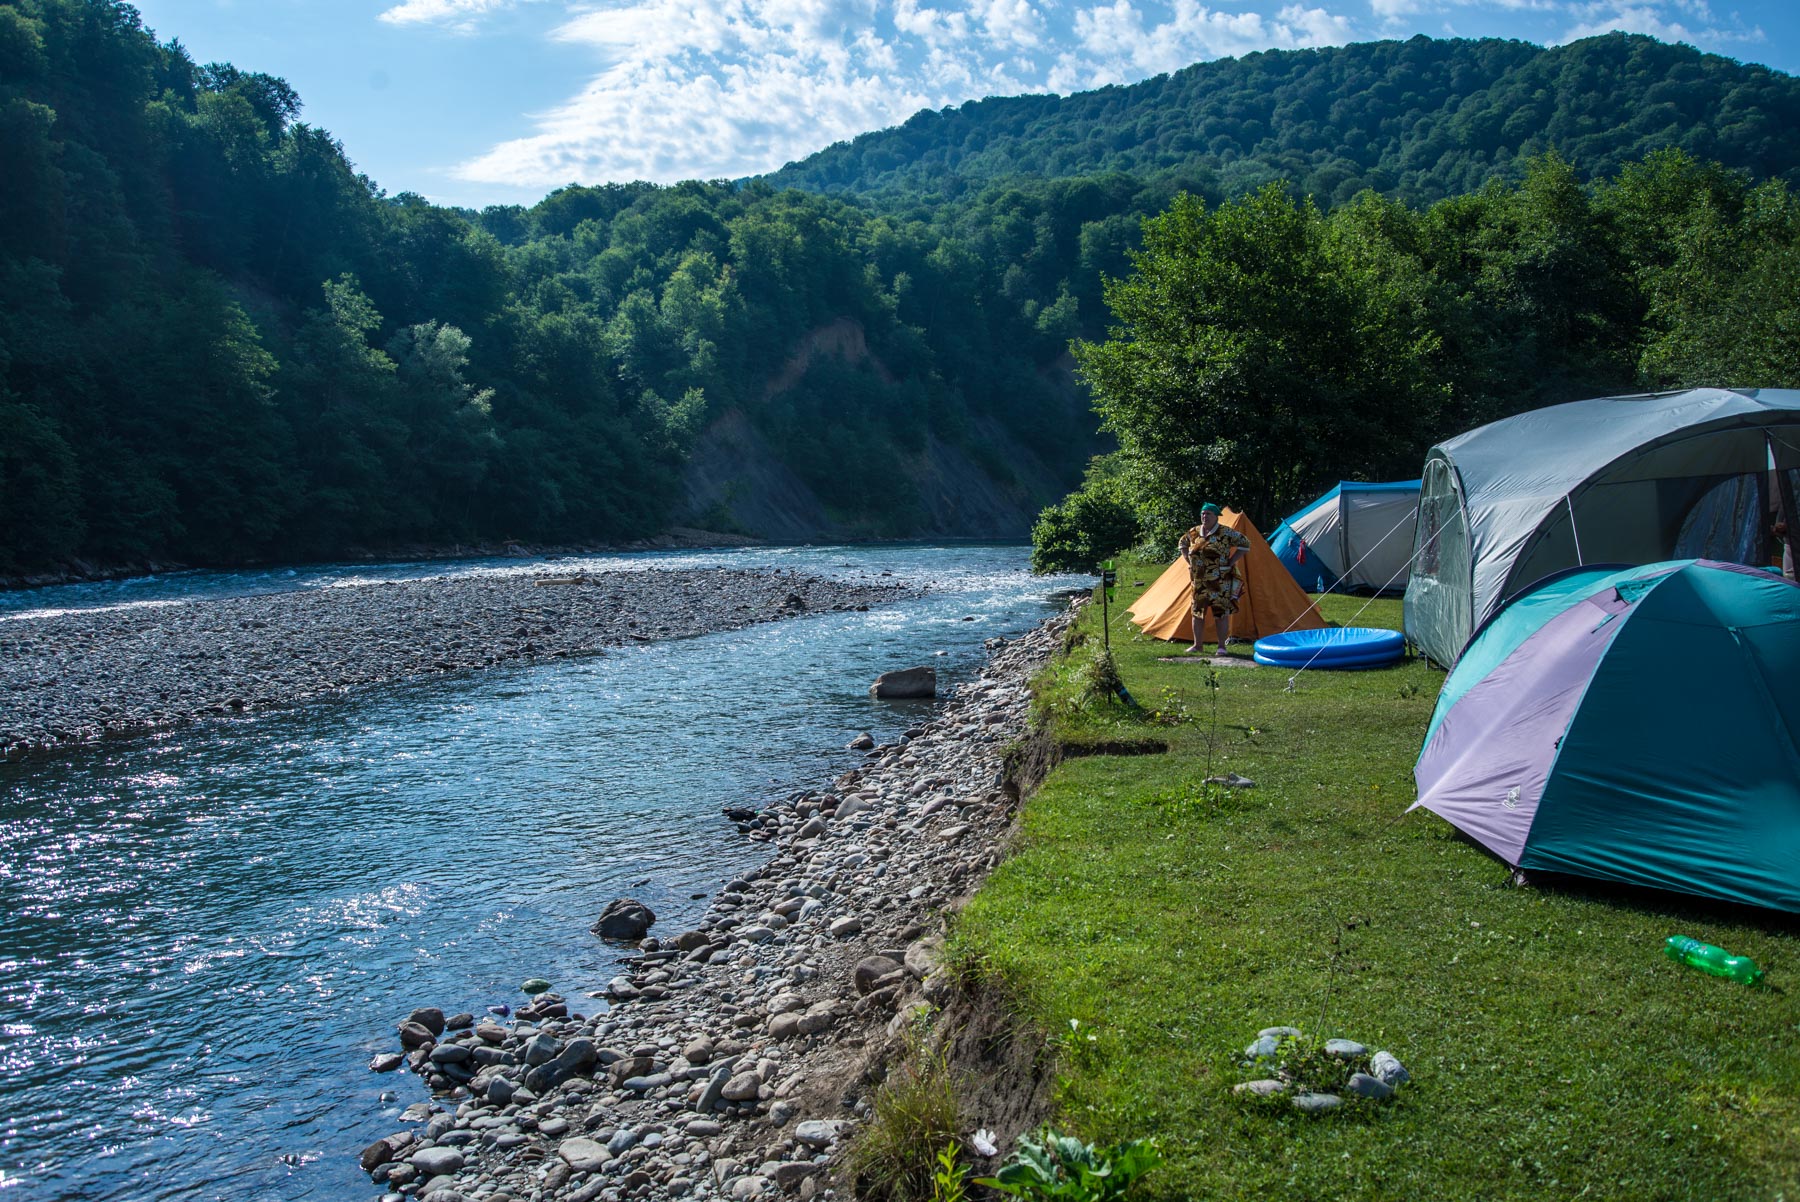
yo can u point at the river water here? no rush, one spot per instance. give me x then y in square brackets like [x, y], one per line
[209, 932]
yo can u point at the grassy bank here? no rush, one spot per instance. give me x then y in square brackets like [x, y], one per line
[1152, 928]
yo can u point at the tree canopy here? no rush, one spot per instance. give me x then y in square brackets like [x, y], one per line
[1262, 350]
[219, 342]
[1419, 121]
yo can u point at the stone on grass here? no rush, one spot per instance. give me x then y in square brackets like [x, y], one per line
[1365, 1086]
[1345, 1049]
[1260, 1089]
[1316, 1103]
[1388, 1069]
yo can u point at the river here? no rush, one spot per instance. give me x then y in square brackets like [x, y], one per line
[209, 932]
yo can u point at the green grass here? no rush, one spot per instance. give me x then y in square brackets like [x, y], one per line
[1555, 1053]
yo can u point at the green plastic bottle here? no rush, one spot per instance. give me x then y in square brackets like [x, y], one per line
[1709, 959]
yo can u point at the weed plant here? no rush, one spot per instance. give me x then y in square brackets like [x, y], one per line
[1050, 1166]
[898, 1155]
[1555, 1053]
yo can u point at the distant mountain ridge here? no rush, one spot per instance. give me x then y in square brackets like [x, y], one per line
[1418, 120]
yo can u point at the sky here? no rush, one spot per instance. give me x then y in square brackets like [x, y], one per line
[478, 102]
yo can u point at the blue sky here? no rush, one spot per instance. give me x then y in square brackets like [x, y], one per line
[477, 102]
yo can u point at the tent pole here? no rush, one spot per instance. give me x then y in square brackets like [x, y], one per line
[1784, 493]
[1574, 533]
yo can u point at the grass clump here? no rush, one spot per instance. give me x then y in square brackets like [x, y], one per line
[1554, 1052]
[899, 1156]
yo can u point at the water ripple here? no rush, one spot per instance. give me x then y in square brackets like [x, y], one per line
[210, 931]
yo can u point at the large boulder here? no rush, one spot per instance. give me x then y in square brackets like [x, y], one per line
[907, 682]
[624, 918]
[872, 969]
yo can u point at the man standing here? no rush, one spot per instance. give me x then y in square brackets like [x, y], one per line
[1212, 552]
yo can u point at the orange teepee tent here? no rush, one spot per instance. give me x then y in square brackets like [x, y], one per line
[1271, 603]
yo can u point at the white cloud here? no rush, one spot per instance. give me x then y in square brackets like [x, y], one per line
[723, 88]
[454, 14]
[1121, 46]
[1594, 19]
[710, 89]
[1010, 22]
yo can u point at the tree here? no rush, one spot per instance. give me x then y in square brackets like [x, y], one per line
[1255, 351]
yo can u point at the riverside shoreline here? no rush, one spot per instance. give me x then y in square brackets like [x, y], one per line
[733, 1060]
[79, 677]
[676, 538]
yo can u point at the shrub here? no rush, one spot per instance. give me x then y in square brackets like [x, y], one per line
[1093, 523]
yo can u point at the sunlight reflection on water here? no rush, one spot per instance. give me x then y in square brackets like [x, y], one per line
[211, 931]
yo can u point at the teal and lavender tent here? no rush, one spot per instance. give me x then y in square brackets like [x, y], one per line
[1358, 537]
[1637, 725]
[1625, 479]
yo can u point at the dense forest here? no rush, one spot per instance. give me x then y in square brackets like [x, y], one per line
[219, 342]
[1419, 121]
[1263, 349]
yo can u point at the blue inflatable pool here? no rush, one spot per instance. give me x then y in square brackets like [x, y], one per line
[1338, 648]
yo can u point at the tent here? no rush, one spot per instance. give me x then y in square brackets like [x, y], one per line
[1627, 479]
[1565, 740]
[1357, 537]
[1271, 603]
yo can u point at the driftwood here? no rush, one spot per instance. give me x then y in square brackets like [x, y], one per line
[543, 581]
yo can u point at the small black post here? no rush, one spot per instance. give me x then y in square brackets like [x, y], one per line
[1108, 578]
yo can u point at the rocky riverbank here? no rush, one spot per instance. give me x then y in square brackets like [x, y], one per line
[82, 676]
[729, 1060]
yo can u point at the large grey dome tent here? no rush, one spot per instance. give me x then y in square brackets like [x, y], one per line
[1620, 480]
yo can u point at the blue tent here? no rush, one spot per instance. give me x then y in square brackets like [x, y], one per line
[1357, 537]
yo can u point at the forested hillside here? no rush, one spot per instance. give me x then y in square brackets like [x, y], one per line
[219, 342]
[1418, 120]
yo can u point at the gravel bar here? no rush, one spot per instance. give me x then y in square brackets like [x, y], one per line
[79, 677]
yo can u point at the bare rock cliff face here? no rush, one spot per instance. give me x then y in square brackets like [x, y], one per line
[736, 480]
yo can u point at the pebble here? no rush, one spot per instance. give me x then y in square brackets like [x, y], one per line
[707, 1076]
[437, 1161]
[82, 676]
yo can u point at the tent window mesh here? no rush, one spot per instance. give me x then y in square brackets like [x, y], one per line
[1727, 522]
[1437, 509]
